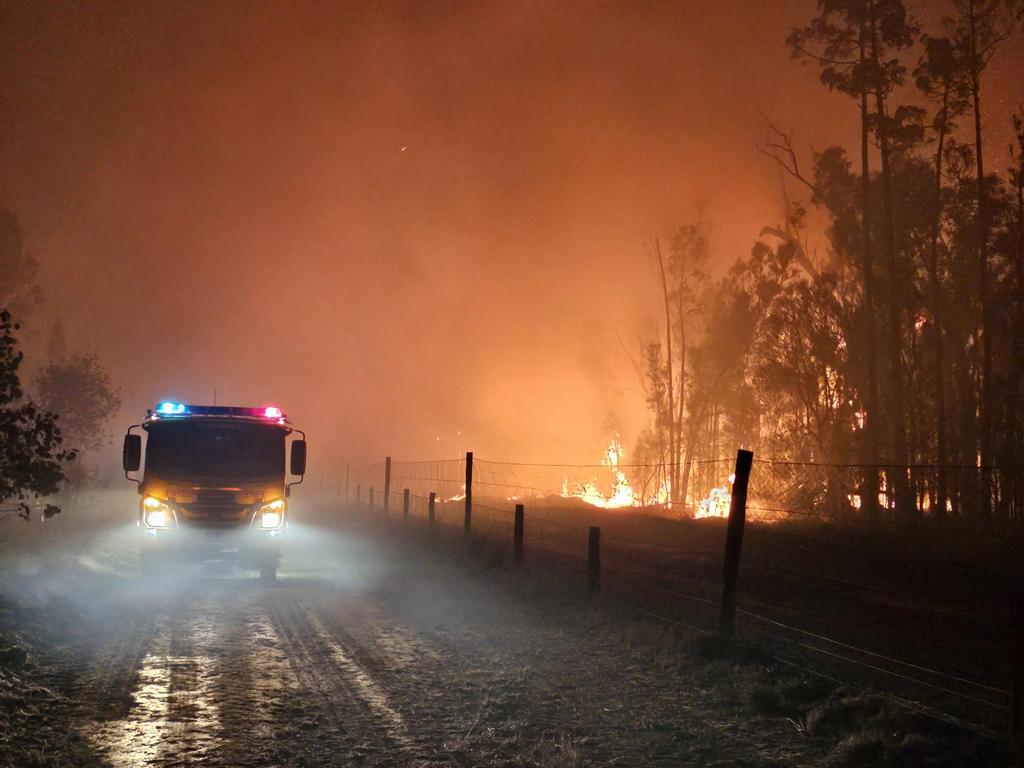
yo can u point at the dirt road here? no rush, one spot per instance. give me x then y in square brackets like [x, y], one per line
[368, 653]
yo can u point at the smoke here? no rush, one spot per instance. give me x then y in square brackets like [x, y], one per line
[412, 225]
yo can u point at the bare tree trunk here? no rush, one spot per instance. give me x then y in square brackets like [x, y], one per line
[1013, 395]
[933, 278]
[679, 421]
[897, 416]
[673, 466]
[983, 286]
[967, 427]
[691, 439]
[1018, 350]
[873, 416]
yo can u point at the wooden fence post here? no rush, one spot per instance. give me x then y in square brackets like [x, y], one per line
[467, 526]
[1017, 703]
[734, 543]
[359, 493]
[387, 484]
[517, 535]
[405, 505]
[348, 473]
[594, 560]
[371, 497]
[430, 508]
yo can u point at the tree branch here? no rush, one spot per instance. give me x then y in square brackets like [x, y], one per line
[798, 249]
[778, 145]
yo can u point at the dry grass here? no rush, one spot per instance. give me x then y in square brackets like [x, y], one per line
[860, 750]
[850, 727]
[34, 727]
[559, 752]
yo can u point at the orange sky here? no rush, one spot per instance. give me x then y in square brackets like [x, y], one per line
[220, 198]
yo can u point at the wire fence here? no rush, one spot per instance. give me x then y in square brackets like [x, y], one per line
[982, 502]
[920, 605]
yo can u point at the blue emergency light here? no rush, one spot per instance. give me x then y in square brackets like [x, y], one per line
[170, 408]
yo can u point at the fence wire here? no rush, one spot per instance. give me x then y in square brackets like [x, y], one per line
[798, 604]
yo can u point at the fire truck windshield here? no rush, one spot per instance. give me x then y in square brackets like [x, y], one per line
[197, 449]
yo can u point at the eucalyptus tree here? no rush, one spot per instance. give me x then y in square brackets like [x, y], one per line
[941, 77]
[979, 27]
[837, 40]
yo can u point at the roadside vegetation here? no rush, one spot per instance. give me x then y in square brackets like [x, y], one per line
[878, 364]
[851, 719]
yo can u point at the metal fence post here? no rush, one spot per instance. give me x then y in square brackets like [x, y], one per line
[467, 526]
[734, 543]
[359, 493]
[430, 508]
[387, 484]
[405, 505]
[371, 497]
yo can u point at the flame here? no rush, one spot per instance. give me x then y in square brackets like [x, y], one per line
[457, 496]
[717, 502]
[622, 493]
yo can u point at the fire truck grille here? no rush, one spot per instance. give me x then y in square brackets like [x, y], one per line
[215, 508]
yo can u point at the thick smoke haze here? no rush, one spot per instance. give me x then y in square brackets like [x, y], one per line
[420, 227]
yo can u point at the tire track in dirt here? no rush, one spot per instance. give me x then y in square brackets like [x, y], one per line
[135, 736]
[450, 701]
[251, 681]
[117, 657]
[438, 698]
[192, 720]
[349, 693]
[183, 689]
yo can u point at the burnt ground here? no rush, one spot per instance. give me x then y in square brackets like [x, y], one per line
[375, 650]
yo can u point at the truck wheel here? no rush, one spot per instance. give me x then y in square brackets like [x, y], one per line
[268, 573]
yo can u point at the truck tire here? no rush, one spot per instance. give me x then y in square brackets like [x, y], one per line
[268, 573]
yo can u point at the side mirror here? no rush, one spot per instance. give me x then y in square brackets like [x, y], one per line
[131, 455]
[298, 457]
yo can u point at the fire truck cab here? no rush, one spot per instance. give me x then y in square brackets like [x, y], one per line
[214, 482]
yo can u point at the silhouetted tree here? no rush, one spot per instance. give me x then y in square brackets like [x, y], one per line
[890, 31]
[79, 388]
[838, 40]
[781, 354]
[980, 26]
[665, 374]
[687, 262]
[941, 77]
[31, 454]
[1015, 173]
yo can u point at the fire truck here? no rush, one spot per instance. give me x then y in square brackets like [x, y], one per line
[214, 484]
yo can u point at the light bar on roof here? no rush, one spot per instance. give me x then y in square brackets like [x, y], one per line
[172, 408]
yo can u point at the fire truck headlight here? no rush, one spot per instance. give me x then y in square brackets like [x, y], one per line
[272, 514]
[156, 513]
